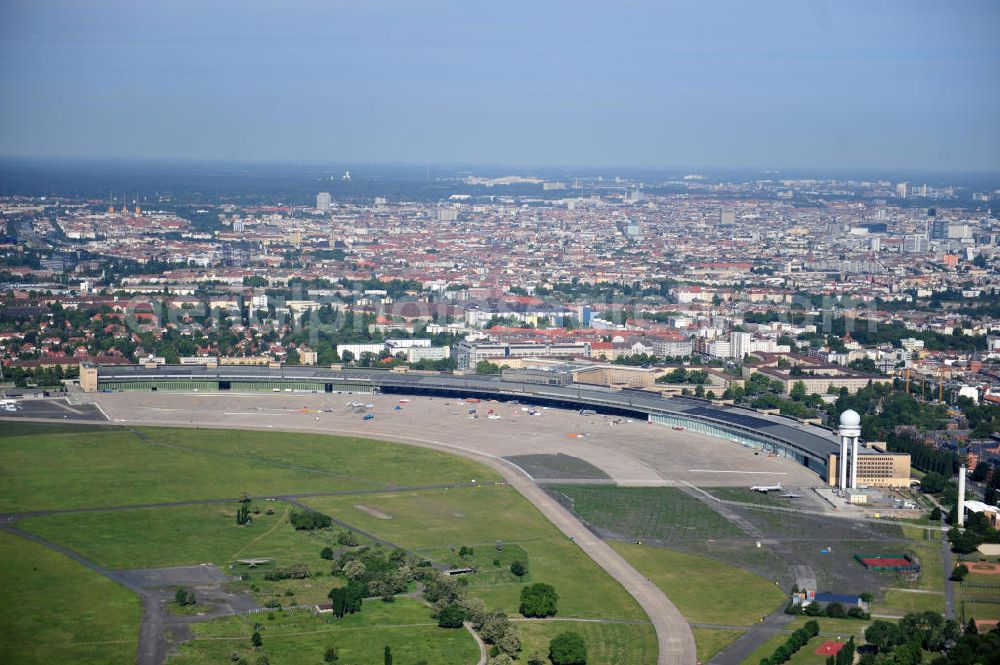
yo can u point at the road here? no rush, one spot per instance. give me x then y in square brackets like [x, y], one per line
[674, 636]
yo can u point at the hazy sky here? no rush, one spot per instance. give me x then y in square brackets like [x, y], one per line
[773, 83]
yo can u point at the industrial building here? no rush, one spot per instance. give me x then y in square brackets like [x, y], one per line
[875, 469]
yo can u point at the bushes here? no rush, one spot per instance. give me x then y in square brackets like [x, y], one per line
[183, 597]
[568, 649]
[796, 641]
[347, 539]
[296, 571]
[518, 569]
[451, 616]
[310, 520]
[539, 600]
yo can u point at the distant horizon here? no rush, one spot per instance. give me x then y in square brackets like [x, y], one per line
[582, 170]
[846, 86]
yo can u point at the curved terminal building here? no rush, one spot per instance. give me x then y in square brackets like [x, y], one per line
[809, 445]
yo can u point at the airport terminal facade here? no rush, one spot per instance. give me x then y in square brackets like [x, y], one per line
[809, 445]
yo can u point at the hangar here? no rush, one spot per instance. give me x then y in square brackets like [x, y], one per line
[809, 445]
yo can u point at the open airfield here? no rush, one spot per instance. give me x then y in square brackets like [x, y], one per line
[124, 509]
[629, 452]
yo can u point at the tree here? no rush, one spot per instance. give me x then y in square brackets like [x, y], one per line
[486, 367]
[326, 553]
[932, 483]
[836, 611]
[539, 600]
[451, 616]
[518, 569]
[387, 656]
[256, 639]
[568, 649]
[798, 391]
[330, 655]
[345, 600]
[354, 569]
[310, 520]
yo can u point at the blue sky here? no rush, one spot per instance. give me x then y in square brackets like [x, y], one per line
[704, 83]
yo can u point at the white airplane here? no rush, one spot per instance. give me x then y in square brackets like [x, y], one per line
[764, 489]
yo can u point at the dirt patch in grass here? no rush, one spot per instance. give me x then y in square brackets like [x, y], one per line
[374, 512]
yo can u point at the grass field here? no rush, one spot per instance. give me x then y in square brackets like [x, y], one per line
[830, 629]
[978, 608]
[710, 641]
[100, 466]
[746, 495]
[175, 536]
[704, 590]
[430, 522]
[607, 643]
[661, 513]
[926, 546]
[300, 638]
[56, 611]
[72, 467]
[901, 602]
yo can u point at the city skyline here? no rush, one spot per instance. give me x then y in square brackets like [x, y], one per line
[788, 85]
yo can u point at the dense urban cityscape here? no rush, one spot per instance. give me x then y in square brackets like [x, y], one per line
[450, 333]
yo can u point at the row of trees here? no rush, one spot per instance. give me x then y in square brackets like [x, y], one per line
[795, 641]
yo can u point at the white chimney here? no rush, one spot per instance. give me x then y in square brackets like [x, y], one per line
[961, 496]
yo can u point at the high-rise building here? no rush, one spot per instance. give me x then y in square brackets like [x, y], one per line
[939, 229]
[445, 214]
[902, 189]
[323, 201]
[740, 344]
[916, 242]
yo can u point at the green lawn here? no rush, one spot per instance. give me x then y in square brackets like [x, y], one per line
[837, 627]
[662, 513]
[710, 641]
[704, 590]
[85, 467]
[926, 546]
[902, 602]
[59, 467]
[607, 643]
[428, 521]
[977, 608]
[175, 536]
[300, 638]
[56, 611]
